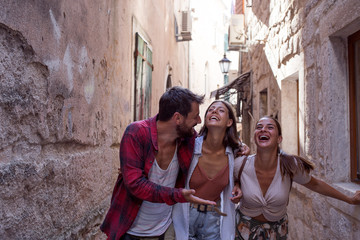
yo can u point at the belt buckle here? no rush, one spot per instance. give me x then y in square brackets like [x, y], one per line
[204, 210]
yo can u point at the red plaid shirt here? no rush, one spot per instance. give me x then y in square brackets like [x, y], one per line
[137, 154]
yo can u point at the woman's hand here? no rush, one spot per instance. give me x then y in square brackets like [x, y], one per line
[244, 150]
[237, 193]
[356, 198]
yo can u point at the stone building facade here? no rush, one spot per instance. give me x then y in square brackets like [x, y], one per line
[297, 52]
[73, 75]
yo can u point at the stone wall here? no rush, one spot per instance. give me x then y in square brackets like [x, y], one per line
[66, 80]
[306, 41]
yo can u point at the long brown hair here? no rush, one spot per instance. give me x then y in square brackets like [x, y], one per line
[290, 164]
[231, 136]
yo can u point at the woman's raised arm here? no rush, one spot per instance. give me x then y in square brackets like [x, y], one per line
[323, 188]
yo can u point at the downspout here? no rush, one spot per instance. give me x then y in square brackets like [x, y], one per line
[189, 66]
[240, 63]
[189, 56]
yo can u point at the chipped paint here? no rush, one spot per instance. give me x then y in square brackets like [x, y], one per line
[57, 31]
[68, 62]
[89, 89]
[70, 122]
[53, 65]
[84, 59]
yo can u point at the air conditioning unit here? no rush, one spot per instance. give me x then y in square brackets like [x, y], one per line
[237, 37]
[184, 32]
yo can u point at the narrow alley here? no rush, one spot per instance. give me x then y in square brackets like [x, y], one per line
[75, 74]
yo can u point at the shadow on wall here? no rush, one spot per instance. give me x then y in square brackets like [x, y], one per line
[261, 10]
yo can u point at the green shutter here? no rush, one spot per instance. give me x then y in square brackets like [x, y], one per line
[148, 83]
[143, 79]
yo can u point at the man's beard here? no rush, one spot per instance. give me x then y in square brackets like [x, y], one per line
[183, 131]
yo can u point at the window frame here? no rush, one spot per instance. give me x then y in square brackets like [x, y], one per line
[142, 78]
[354, 138]
[290, 85]
[263, 102]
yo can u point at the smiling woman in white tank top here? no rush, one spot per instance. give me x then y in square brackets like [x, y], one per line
[266, 179]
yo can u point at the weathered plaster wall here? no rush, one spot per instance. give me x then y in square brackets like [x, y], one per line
[306, 40]
[66, 74]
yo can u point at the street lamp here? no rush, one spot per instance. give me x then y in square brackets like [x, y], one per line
[224, 66]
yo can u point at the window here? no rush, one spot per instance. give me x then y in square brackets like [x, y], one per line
[168, 81]
[290, 115]
[263, 103]
[143, 78]
[354, 99]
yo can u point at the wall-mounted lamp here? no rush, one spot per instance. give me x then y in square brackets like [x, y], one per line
[224, 65]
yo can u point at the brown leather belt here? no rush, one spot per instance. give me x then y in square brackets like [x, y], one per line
[207, 208]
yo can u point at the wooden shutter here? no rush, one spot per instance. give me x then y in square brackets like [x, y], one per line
[143, 79]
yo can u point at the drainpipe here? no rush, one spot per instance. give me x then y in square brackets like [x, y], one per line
[189, 56]
[240, 63]
[189, 66]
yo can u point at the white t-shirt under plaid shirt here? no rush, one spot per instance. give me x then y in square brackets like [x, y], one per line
[154, 218]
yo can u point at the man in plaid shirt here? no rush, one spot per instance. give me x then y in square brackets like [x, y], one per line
[155, 156]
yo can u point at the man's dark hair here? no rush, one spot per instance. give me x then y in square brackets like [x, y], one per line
[177, 99]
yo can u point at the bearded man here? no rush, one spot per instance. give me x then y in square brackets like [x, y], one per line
[155, 156]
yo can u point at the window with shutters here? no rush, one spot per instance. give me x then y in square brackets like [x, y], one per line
[143, 78]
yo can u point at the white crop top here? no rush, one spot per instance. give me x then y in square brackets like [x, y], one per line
[273, 204]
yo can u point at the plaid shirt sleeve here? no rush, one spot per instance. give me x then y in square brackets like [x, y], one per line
[136, 158]
[136, 152]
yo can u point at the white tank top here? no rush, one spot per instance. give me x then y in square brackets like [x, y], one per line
[154, 218]
[273, 204]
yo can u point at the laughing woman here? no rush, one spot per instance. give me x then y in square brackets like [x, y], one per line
[266, 180]
[211, 176]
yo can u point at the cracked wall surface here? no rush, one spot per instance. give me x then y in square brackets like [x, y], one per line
[66, 96]
[46, 191]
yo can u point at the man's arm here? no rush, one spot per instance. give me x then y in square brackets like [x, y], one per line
[190, 197]
[132, 162]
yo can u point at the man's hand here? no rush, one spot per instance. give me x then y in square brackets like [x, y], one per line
[189, 196]
[237, 194]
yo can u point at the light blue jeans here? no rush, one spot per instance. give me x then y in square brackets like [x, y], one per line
[204, 225]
